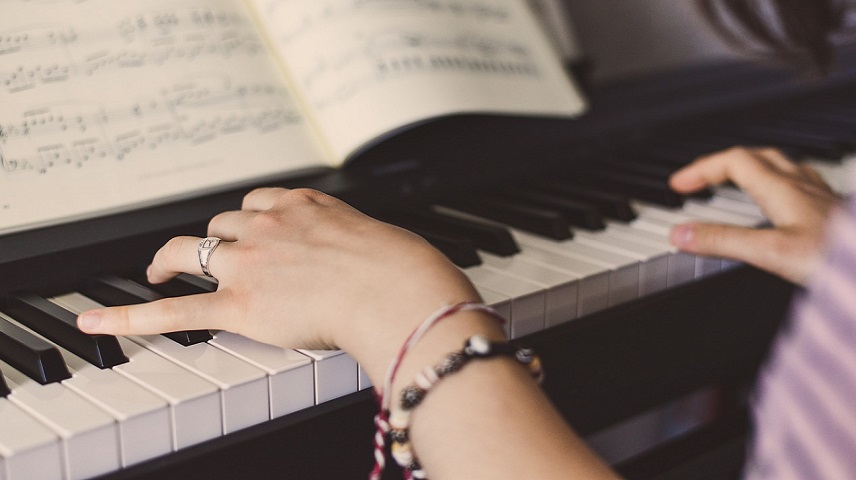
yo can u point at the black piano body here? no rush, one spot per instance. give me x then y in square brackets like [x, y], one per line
[601, 369]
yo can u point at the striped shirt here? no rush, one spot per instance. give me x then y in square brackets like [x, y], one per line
[805, 403]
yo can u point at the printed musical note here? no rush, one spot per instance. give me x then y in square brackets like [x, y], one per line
[149, 39]
[368, 43]
[296, 17]
[191, 112]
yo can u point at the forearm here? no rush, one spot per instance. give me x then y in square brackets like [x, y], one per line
[489, 420]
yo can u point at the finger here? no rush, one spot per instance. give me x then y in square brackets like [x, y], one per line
[777, 159]
[812, 175]
[230, 226]
[262, 199]
[739, 165]
[759, 247]
[181, 255]
[193, 312]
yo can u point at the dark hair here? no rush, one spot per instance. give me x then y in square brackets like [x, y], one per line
[796, 32]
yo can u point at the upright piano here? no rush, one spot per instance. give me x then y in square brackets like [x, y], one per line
[559, 222]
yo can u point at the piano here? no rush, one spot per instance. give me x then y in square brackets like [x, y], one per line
[560, 224]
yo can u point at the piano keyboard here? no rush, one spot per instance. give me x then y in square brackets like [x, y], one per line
[74, 406]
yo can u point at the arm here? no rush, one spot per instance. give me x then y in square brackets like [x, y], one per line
[794, 198]
[301, 269]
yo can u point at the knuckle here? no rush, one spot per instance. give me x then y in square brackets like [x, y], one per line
[173, 247]
[307, 196]
[773, 151]
[265, 221]
[738, 150]
[259, 193]
[215, 221]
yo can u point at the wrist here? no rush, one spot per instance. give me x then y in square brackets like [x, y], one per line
[377, 348]
[441, 339]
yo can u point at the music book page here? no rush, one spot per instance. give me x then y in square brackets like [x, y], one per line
[367, 68]
[112, 105]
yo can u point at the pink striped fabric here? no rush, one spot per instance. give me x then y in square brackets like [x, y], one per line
[805, 403]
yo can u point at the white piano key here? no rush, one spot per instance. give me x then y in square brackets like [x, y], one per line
[697, 211]
[195, 404]
[593, 280]
[90, 437]
[833, 174]
[735, 194]
[336, 374]
[661, 220]
[27, 446]
[623, 285]
[143, 418]
[364, 380]
[243, 387]
[682, 265]
[653, 261]
[560, 287]
[528, 299]
[624, 270]
[290, 374]
[500, 303]
[719, 215]
[669, 216]
[739, 206]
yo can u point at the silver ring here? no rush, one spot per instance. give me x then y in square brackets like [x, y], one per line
[206, 248]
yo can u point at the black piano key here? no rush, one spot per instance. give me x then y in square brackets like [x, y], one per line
[189, 337]
[177, 287]
[203, 284]
[672, 156]
[660, 173]
[31, 355]
[832, 114]
[111, 296]
[836, 133]
[578, 213]
[4, 389]
[458, 249]
[840, 121]
[683, 149]
[640, 187]
[630, 164]
[612, 205]
[490, 238]
[540, 221]
[805, 144]
[60, 326]
[722, 143]
[115, 291]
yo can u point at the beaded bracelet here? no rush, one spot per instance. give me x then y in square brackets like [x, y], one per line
[381, 420]
[476, 347]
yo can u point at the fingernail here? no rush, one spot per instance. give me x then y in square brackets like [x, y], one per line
[682, 236]
[89, 321]
[148, 272]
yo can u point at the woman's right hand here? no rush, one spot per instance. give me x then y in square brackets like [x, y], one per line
[300, 269]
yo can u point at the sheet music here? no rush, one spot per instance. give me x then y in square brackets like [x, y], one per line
[365, 67]
[112, 104]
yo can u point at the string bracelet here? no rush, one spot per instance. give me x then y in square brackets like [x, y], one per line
[381, 420]
[476, 347]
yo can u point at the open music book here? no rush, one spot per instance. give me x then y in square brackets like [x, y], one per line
[109, 105]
